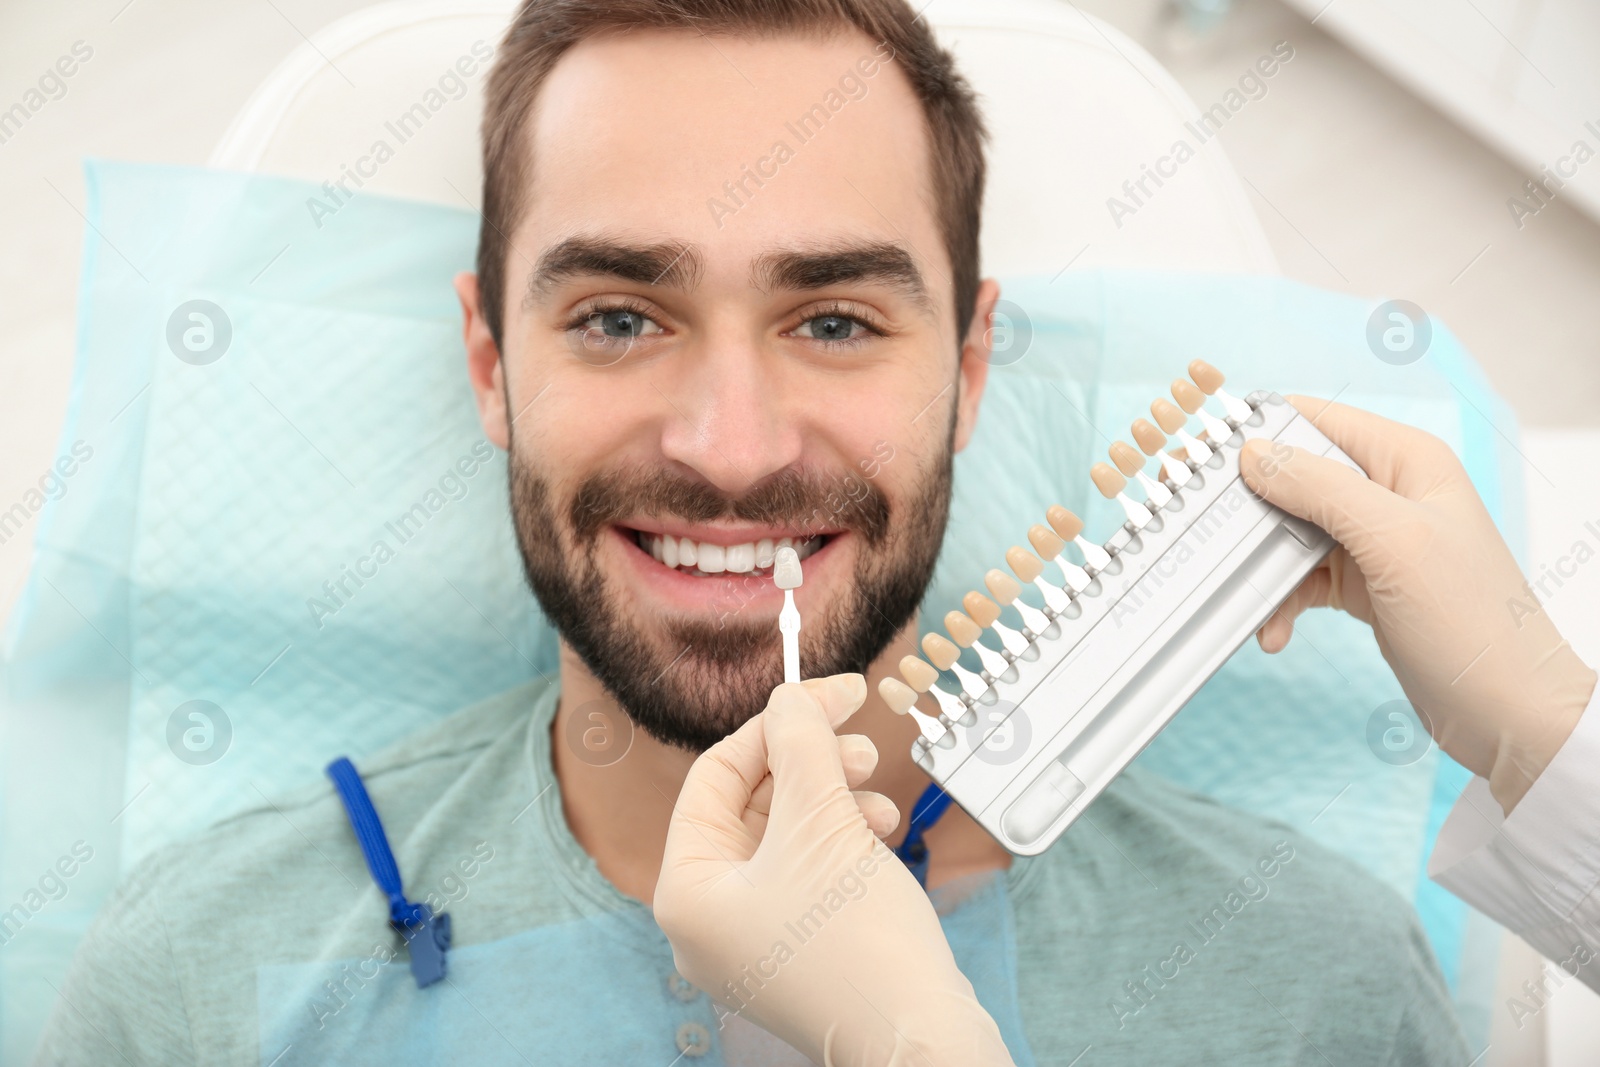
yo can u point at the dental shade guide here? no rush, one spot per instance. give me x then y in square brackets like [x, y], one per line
[1102, 667]
[786, 575]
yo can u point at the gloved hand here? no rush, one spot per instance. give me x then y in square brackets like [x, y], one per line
[1421, 561]
[795, 915]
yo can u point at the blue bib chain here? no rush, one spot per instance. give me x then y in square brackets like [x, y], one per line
[913, 851]
[427, 935]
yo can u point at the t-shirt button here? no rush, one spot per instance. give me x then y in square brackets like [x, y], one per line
[681, 987]
[693, 1039]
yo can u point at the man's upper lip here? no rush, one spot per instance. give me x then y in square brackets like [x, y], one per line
[717, 534]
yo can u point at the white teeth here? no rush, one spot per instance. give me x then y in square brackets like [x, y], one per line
[706, 558]
[740, 559]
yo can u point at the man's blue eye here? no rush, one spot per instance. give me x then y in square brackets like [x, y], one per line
[832, 328]
[622, 323]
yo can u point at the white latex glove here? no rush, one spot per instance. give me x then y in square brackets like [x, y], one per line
[1421, 561]
[797, 916]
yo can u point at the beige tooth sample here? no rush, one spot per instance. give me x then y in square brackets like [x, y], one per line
[917, 673]
[966, 632]
[1167, 416]
[986, 613]
[1171, 420]
[1070, 528]
[962, 630]
[1210, 380]
[1111, 483]
[940, 651]
[944, 653]
[902, 700]
[1049, 545]
[1007, 591]
[1029, 568]
[1126, 459]
[1024, 563]
[1003, 587]
[1149, 439]
[1153, 441]
[900, 697]
[1045, 541]
[980, 609]
[1131, 464]
[1188, 397]
[1066, 525]
[1107, 480]
[1193, 401]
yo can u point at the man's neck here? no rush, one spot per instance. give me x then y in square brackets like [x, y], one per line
[619, 812]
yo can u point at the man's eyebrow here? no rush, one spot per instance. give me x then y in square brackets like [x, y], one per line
[882, 261]
[670, 263]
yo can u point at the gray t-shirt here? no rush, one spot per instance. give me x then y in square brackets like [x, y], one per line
[1163, 928]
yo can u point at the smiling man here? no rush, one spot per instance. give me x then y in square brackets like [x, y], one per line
[727, 298]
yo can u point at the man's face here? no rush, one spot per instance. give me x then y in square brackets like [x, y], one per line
[729, 322]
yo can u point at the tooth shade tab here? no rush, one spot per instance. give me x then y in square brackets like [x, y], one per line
[1045, 541]
[1067, 525]
[785, 568]
[1149, 439]
[1188, 397]
[1126, 459]
[1168, 417]
[917, 673]
[1024, 563]
[940, 651]
[1207, 377]
[980, 609]
[1107, 480]
[1004, 587]
[1210, 380]
[900, 697]
[962, 630]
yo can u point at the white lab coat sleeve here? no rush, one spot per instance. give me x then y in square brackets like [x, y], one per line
[1536, 872]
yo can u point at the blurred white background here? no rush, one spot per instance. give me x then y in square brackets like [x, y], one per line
[1381, 162]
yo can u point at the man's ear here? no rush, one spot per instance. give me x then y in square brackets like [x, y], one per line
[975, 354]
[484, 367]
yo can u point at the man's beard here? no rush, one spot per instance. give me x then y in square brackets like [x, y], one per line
[715, 672]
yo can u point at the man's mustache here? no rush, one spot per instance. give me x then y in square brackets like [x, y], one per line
[803, 500]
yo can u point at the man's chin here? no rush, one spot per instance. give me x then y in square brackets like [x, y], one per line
[703, 683]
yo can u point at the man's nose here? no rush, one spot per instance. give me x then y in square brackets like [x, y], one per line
[730, 418]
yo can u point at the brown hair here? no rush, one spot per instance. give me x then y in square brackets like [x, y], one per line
[543, 30]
